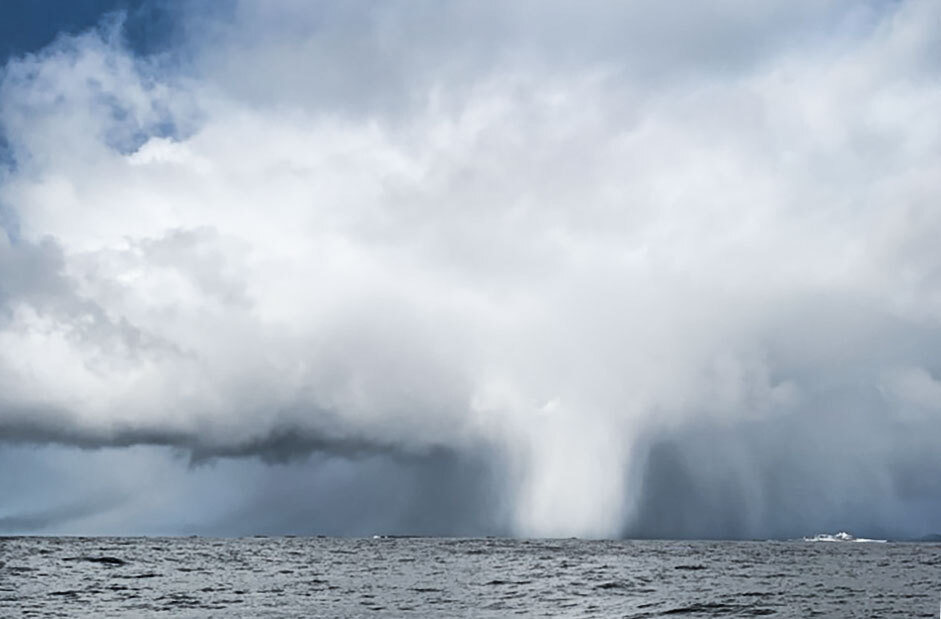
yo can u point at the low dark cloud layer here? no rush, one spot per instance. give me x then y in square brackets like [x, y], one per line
[462, 267]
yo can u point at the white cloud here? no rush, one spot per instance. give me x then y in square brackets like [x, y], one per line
[352, 225]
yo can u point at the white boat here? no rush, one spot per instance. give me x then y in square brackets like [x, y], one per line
[842, 536]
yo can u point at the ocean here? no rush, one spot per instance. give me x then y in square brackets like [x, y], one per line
[445, 577]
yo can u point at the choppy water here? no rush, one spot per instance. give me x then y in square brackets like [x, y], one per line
[329, 577]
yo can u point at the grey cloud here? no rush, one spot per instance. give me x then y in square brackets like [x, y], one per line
[30, 270]
[197, 253]
[291, 440]
[32, 274]
[376, 59]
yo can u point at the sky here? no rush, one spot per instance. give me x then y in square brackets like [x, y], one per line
[538, 269]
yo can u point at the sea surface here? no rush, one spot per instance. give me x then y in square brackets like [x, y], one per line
[435, 577]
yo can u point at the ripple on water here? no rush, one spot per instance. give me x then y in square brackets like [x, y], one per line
[490, 577]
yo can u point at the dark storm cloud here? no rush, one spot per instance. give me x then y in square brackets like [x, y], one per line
[282, 444]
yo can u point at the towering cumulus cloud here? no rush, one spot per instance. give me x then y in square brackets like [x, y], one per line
[609, 268]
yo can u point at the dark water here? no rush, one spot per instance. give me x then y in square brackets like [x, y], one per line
[323, 577]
